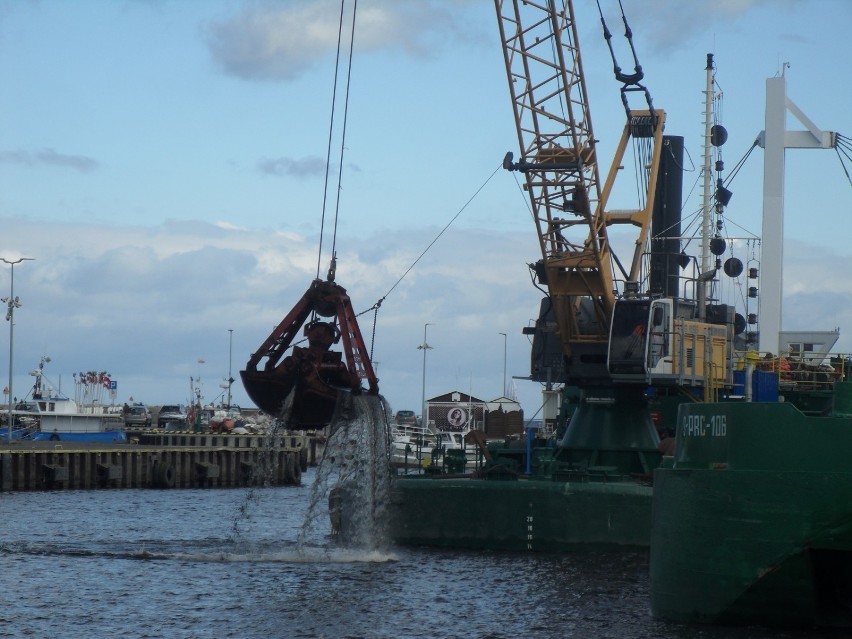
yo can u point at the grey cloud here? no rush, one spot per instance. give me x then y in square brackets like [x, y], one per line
[50, 157]
[147, 303]
[304, 167]
[273, 43]
[683, 20]
[283, 40]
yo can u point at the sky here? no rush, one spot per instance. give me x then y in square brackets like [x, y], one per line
[164, 164]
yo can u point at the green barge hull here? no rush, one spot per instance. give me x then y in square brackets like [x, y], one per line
[523, 515]
[752, 518]
[592, 491]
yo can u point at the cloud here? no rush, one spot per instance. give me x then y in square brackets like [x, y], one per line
[683, 21]
[304, 167]
[281, 41]
[49, 157]
[146, 303]
[269, 43]
[817, 294]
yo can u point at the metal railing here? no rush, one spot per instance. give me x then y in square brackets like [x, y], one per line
[804, 371]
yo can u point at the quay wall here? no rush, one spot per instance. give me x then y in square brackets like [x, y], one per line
[312, 445]
[159, 460]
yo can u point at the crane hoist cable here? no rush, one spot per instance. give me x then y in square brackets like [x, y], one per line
[375, 307]
[331, 273]
[630, 82]
[342, 140]
[434, 240]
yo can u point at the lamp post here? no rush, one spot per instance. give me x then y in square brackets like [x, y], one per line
[201, 361]
[504, 362]
[424, 347]
[230, 357]
[13, 303]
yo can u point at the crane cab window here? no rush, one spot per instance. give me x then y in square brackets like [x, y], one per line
[659, 333]
[628, 336]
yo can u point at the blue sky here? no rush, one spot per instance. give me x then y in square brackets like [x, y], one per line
[163, 161]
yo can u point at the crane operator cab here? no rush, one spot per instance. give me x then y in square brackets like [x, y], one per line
[657, 341]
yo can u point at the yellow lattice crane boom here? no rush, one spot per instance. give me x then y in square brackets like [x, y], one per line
[559, 160]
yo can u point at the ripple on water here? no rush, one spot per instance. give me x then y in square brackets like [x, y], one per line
[141, 564]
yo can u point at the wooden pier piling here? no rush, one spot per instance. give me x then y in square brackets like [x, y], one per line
[159, 460]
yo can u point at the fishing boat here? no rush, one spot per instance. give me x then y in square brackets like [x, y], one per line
[48, 416]
[411, 446]
[60, 419]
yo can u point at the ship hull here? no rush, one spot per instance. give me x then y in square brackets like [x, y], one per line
[752, 519]
[522, 515]
[591, 493]
[100, 437]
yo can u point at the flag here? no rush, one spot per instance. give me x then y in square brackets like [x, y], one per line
[106, 381]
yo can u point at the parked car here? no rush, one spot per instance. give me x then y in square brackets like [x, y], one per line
[406, 417]
[172, 417]
[137, 415]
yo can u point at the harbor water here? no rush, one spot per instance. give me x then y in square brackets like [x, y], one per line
[238, 563]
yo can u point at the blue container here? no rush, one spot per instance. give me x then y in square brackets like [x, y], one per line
[764, 386]
[739, 383]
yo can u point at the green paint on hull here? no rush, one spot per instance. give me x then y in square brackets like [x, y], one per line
[581, 495]
[524, 515]
[752, 519]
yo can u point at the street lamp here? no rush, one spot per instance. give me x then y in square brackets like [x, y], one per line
[201, 361]
[230, 356]
[13, 303]
[504, 363]
[424, 347]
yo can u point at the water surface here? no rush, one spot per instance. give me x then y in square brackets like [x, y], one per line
[226, 563]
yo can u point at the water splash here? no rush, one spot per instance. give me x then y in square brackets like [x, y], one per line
[353, 477]
[200, 552]
[354, 472]
[264, 472]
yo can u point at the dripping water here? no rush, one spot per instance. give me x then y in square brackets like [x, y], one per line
[351, 483]
[263, 472]
[353, 476]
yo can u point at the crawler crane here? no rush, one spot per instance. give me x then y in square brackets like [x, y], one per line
[610, 327]
[621, 324]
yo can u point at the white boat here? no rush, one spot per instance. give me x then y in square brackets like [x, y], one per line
[55, 418]
[60, 419]
[416, 447]
[411, 446]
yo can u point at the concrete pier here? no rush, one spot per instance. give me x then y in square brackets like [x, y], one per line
[159, 460]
